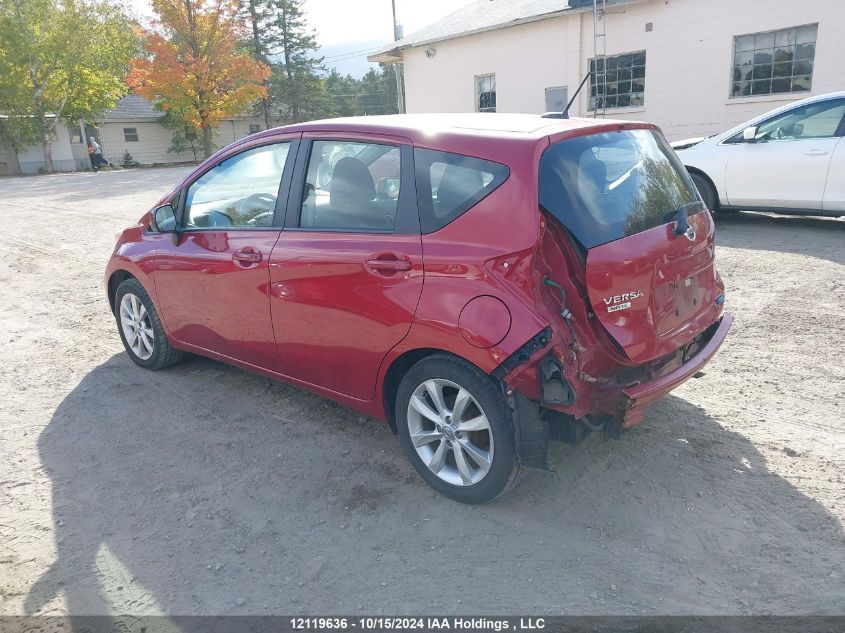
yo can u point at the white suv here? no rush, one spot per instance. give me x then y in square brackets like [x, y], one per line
[789, 160]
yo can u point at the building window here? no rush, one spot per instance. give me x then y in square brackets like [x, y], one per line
[130, 134]
[556, 98]
[617, 81]
[774, 62]
[485, 93]
[254, 128]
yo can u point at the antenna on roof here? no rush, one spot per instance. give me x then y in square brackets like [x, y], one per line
[565, 113]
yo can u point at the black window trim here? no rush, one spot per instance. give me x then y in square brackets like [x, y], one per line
[281, 200]
[407, 213]
[470, 202]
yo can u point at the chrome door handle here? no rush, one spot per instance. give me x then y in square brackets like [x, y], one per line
[247, 256]
[815, 152]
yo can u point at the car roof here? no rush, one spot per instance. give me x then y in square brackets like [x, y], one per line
[421, 125]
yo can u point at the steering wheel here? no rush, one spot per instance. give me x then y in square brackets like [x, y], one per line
[264, 200]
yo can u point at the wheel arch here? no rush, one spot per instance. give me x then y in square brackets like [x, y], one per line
[396, 371]
[709, 180]
[115, 279]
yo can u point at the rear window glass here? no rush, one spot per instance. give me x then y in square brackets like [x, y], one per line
[450, 184]
[603, 187]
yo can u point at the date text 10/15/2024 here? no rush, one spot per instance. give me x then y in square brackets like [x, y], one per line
[387, 623]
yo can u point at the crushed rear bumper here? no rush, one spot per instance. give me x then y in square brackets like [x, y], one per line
[636, 398]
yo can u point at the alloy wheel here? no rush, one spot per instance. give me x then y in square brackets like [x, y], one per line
[136, 326]
[450, 432]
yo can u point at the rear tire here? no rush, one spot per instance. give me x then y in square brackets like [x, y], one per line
[140, 328]
[455, 427]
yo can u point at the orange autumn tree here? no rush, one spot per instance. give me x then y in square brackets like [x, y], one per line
[193, 66]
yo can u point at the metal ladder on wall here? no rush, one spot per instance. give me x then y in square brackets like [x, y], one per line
[600, 57]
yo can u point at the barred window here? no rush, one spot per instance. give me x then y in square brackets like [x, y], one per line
[774, 62]
[617, 81]
[485, 93]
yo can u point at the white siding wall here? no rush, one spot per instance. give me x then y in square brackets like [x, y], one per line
[688, 60]
[526, 60]
[151, 146]
[31, 159]
[154, 140]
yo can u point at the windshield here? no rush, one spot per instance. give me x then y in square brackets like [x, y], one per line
[604, 187]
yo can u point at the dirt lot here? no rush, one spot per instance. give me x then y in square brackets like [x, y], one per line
[207, 490]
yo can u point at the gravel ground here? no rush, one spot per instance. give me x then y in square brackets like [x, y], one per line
[206, 490]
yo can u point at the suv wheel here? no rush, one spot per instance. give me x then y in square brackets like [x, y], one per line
[454, 425]
[709, 194]
[140, 328]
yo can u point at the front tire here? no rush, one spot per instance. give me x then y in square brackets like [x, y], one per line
[141, 329]
[707, 191]
[454, 425]
[709, 194]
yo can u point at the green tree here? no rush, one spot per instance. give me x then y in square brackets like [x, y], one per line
[18, 128]
[343, 92]
[259, 14]
[183, 134]
[296, 87]
[194, 65]
[374, 93]
[63, 59]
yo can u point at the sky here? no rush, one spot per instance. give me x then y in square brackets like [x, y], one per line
[347, 30]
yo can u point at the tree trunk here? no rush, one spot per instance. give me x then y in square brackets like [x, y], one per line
[206, 140]
[258, 53]
[47, 143]
[13, 166]
[292, 91]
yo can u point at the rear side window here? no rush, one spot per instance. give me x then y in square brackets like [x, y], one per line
[449, 184]
[351, 186]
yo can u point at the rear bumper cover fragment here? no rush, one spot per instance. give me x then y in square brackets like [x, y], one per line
[638, 397]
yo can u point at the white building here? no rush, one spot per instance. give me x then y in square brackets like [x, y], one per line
[692, 67]
[133, 126]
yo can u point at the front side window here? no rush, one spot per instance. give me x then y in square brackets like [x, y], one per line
[617, 81]
[130, 134]
[774, 62]
[485, 93]
[351, 186]
[449, 184]
[239, 192]
[814, 120]
[603, 187]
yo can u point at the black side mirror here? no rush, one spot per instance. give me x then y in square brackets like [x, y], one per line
[164, 221]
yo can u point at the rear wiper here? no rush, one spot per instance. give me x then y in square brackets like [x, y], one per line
[683, 226]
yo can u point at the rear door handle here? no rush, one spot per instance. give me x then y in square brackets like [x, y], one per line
[815, 152]
[247, 256]
[388, 266]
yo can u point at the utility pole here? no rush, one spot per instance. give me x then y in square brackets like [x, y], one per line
[397, 67]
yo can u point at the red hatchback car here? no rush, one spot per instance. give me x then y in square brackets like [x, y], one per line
[485, 283]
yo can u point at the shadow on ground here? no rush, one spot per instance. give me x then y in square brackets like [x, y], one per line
[811, 236]
[205, 490]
